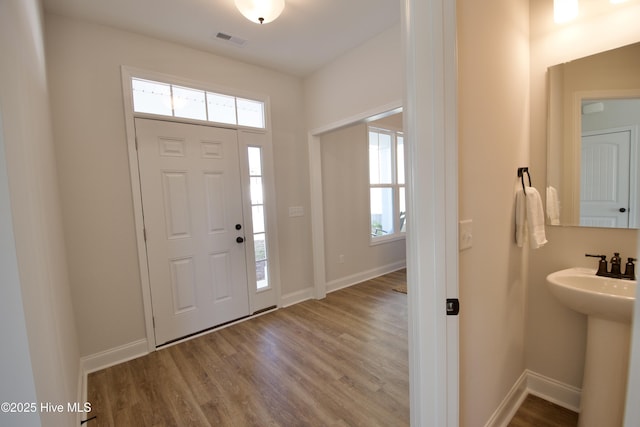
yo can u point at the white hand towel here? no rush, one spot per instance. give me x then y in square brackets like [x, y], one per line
[530, 218]
[521, 218]
[553, 206]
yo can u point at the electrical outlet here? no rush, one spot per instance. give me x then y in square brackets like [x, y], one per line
[296, 211]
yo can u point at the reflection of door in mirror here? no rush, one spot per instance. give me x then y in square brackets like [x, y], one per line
[609, 162]
[604, 179]
[595, 95]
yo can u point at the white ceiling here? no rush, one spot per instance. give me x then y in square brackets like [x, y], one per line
[308, 34]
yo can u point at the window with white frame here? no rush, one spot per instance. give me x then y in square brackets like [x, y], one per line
[386, 184]
[258, 215]
[166, 99]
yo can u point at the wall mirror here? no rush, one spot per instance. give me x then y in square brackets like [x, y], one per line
[593, 131]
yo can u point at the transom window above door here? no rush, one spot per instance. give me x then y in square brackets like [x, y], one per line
[165, 99]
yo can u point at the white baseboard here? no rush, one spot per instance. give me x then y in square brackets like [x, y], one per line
[126, 352]
[296, 297]
[554, 391]
[114, 356]
[105, 359]
[510, 404]
[345, 282]
[533, 383]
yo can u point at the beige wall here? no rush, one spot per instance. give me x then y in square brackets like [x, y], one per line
[493, 115]
[84, 70]
[37, 224]
[345, 183]
[365, 78]
[556, 335]
[368, 79]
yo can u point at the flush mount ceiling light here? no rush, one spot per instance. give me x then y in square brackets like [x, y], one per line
[564, 10]
[260, 11]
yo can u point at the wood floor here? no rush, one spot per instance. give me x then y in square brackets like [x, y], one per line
[341, 361]
[537, 412]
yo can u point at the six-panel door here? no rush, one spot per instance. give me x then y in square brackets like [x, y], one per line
[192, 207]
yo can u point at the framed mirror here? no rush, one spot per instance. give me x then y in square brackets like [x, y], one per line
[593, 155]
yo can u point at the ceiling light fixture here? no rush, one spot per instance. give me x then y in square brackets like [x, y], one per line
[260, 11]
[564, 10]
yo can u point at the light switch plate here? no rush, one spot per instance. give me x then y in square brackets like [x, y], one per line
[465, 234]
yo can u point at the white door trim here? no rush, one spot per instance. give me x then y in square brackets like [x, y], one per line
[429, 33]
[430, 108]
[134, 174]
[315, 187]
[127, 73]
[317, 217]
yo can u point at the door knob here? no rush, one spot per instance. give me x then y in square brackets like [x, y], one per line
[623, 210]
[239, 239]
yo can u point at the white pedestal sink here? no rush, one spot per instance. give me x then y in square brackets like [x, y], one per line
[608, 303]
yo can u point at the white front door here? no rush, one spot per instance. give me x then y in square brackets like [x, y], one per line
[604, 179]
[193, 219]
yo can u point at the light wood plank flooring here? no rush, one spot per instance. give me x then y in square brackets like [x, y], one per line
[341, 361]
[537, 412]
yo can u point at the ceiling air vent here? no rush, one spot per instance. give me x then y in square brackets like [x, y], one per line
[231, 39]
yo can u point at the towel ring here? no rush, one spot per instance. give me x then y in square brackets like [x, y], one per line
[521, 172]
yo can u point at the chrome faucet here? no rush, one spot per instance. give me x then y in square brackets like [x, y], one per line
[615, 272]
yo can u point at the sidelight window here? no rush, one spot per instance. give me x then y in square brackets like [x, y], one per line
[258, 214]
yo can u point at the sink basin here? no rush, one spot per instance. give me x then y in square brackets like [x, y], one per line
[603, 297]
[608, 304]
